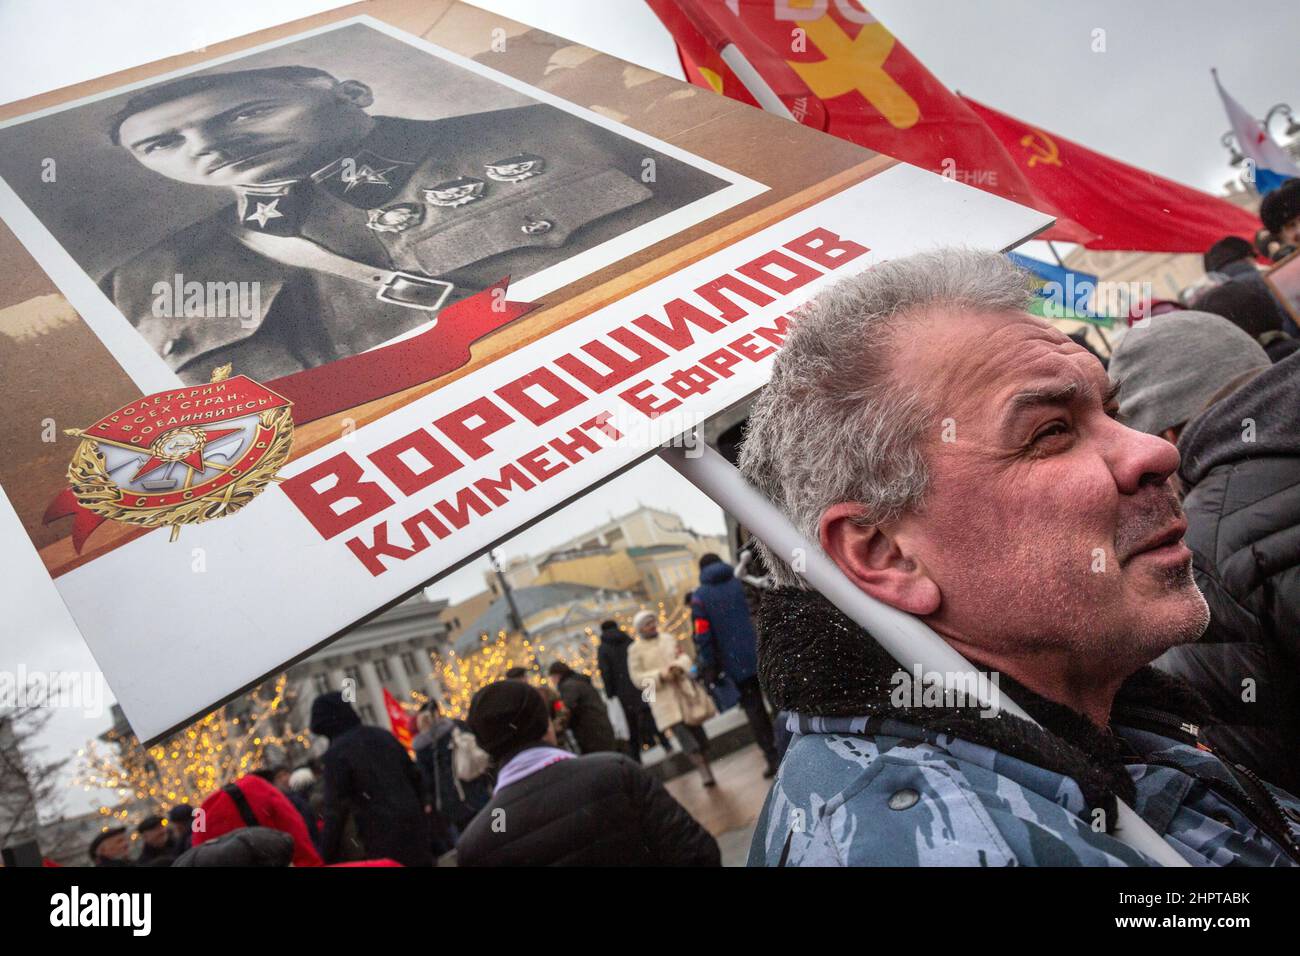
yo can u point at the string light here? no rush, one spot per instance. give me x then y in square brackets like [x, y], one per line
[461, 676]
[197, 760]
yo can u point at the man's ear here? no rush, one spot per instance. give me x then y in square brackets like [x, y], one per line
[354, 92]
[873, 560]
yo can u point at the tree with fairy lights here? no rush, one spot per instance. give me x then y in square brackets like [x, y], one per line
[249, 733]
[461, 675]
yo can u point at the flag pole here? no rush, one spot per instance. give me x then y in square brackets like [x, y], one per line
[906, 638]
[749, 77]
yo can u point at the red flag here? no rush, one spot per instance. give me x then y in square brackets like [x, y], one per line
[398, 719]
[1127, 207]
[828, 60]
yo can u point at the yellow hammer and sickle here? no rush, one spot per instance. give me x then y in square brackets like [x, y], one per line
[1044, 152]
[712, 78]
[856, 64]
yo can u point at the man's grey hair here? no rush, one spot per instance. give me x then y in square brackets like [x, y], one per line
[834, 424]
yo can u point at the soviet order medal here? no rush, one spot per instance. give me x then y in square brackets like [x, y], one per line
[182, 456]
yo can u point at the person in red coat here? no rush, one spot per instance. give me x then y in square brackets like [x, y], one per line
[248, 802]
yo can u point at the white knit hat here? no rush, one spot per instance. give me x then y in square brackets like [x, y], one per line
[643, 616]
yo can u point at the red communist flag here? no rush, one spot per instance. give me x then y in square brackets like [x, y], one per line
[398, 719]
[836, 68]
[1127, 207]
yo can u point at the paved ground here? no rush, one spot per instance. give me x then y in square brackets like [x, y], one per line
[728, 810]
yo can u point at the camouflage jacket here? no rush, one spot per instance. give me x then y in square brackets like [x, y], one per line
[905, 785]
[870, 792]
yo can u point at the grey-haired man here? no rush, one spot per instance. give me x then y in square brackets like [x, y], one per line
[962, 461]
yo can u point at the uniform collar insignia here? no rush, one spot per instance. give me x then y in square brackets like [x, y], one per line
[376, 169]
[266, 211]
[271, 206]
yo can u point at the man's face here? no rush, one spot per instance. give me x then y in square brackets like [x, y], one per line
[115, 847]
[1290, 232]
[1049, 525]
[247, 131]
[156, 837]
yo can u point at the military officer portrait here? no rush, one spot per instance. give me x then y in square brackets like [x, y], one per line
[357, 227]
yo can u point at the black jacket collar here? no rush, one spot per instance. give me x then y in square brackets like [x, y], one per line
[815, 661]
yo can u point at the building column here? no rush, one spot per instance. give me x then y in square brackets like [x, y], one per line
[400, 677]
[375, 688]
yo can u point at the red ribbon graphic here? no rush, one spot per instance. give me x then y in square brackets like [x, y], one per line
[320, 392]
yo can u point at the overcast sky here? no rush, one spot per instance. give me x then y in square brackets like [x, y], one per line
[1147, 100]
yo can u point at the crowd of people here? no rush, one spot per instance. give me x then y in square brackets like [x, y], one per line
[535, 774]
[1113, 540]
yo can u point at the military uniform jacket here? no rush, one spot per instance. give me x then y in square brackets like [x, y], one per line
[936, 785]
[465, 201]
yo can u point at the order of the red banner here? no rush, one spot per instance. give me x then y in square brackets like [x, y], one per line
[195, 453]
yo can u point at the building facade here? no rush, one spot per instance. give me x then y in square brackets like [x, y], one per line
[388, 651]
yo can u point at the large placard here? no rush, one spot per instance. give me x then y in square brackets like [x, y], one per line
[322, 317]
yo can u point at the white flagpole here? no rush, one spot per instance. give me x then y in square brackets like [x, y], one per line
[753, 81]
[907, 639]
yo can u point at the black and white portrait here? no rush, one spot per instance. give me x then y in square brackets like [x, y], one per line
[337, 191]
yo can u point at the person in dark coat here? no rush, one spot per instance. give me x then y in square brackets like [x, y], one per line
[371, 783]
[611, 658]
[156, 844]
[179, 819]
[1241, 473]
[561, 810]
[454, 801]
[728, 644]
[588, 716]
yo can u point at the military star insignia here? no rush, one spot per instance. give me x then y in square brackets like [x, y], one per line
[194, 459]
[366, 176]
[265, 211]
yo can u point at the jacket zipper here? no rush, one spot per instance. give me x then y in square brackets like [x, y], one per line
[1270, 819]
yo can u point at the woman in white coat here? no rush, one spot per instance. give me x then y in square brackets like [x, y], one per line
[653, 661]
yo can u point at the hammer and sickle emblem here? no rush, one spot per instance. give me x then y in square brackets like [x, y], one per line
[856, 64]
[1042, 147]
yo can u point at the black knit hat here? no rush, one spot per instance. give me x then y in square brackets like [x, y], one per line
[1226, 251]
[1280, 206]
[1245, 303]
[506, 717]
